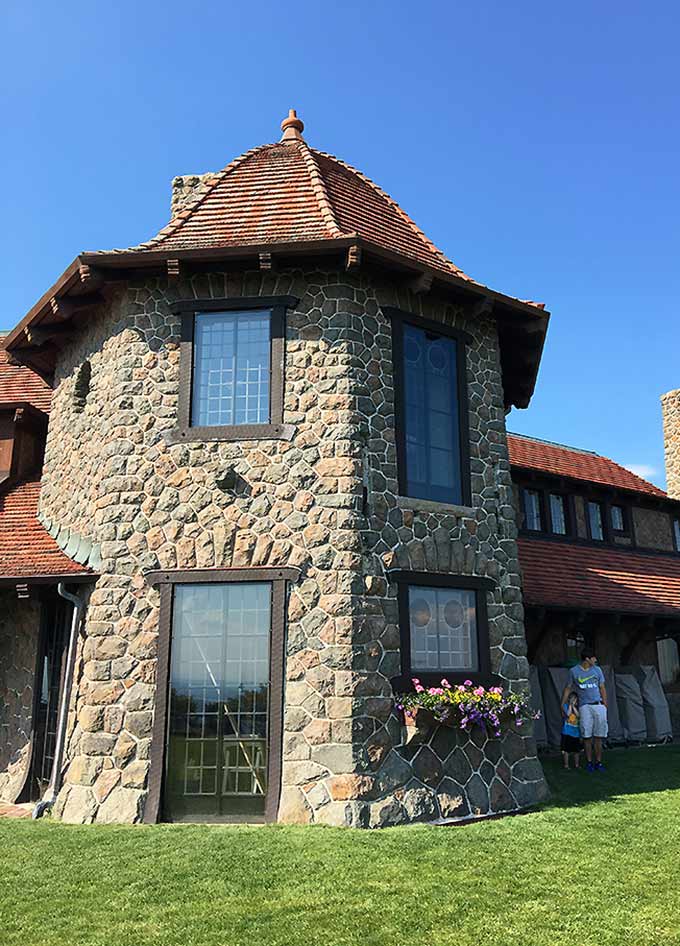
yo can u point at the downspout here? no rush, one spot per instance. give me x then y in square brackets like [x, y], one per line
[49, 798]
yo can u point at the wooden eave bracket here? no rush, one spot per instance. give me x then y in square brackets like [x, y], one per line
[91, 278]
[482, 308]
[266, 261]
[174, 269]
[421, 283]
[353, 258]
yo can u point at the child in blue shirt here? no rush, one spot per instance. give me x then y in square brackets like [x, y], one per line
[571, 733]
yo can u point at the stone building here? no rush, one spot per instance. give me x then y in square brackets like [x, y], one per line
[600, 554]
[276, 480]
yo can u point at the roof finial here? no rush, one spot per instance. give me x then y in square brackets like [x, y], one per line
[292, 127]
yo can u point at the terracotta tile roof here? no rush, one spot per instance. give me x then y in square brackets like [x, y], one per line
[553, 458]
[288, 193]
[18, 383]
[561, 574]
[26, 549]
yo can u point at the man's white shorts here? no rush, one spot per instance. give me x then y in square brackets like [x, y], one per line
[593, 720]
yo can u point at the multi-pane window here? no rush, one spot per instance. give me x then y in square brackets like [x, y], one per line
[595, 521]
[618, 519]
[676, 534]
[431, 409]
[231, 369]
[443, 629]
[219, 699]
[533, 519]
[558, 514]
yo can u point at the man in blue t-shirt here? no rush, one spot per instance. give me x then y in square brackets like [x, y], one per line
[587, 680]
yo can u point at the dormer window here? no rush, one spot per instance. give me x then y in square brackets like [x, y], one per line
[558, 514]
[533, 518]
[232, 370]
[595, 521]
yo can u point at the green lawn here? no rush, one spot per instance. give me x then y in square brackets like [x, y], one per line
[597, 866]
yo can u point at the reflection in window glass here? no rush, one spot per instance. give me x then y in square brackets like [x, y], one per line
[618, 522]
[595, 520]
[433, 463]
[231, 369]
[443, 628]
[219, 698]
[558, 516]
[676, 533]
[532, 510]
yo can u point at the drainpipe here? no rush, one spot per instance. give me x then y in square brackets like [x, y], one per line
[52, 790]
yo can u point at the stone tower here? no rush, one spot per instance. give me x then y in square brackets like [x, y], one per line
[670, 406]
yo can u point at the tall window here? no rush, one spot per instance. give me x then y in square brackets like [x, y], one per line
[595, 521]
[219, 700]
[533, 519]
[231, 369]
[430, 412]
[558, 514]
[676, 534]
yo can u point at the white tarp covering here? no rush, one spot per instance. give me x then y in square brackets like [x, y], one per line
[540, 732]
[654, 703]
[631, 707]
[553, 681]
[616, 733]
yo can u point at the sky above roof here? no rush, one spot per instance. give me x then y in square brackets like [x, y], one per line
[536, 145]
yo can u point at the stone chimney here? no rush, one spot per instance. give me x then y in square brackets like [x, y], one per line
[185, 189]
[670, 407]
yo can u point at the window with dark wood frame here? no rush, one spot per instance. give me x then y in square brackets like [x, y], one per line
[167, 580]
[187, 430]
[408, 582]
[675, 525]
[446, 437]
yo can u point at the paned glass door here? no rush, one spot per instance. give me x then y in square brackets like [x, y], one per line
[218, 712]
[48, 683]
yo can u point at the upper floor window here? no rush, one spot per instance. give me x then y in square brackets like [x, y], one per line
[232, 369]
[431, 412]
[231, 372]
[533, 518]
[676, 533]
[443, 624]
[558, 514]
[595, 521]
[618, 519]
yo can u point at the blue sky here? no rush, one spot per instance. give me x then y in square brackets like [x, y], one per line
[537, 144]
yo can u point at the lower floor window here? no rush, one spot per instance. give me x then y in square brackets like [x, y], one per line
[443, 628]
[443, 622]
[218, 723]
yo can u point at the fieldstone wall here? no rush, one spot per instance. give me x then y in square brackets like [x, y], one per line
[111, 476]
[19, 640]
[670, 407]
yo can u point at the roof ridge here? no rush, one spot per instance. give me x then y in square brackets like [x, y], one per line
[205, 188]
[320, 191]
[556, 443]
[413, 226]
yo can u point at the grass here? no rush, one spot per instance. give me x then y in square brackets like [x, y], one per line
[595, 867]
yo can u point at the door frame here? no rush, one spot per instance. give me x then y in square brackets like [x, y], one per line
[166, 580]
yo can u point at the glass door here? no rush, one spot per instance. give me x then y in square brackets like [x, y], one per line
[48, 684]
[218, 712]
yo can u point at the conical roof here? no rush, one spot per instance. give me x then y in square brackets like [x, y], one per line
[288, 193]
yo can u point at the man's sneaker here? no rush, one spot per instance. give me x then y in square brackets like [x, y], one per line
[599, 767]
[590, 767]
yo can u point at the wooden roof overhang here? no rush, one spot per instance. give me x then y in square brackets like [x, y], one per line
[36, 340]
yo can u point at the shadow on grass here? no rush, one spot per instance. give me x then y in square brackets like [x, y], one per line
[628, 772]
